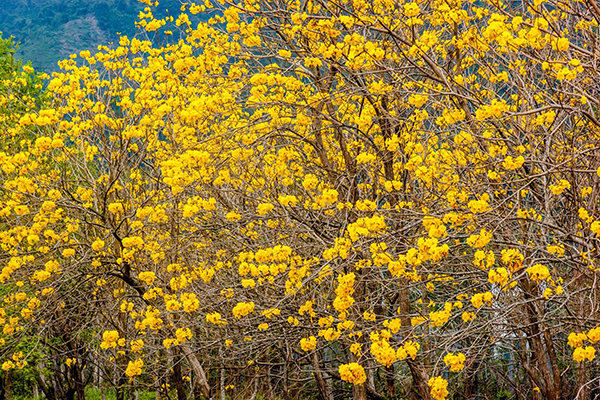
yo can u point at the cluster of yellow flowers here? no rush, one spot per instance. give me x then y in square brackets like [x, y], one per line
[438, 387]
[538, 272]
[577, 340]
[344, 291]
[134, 368]
[560, 187]
[381, 349]
[308, 344]
[353, 373]
[479, 298]
[111, 339]
[215, 318]
[242, 309]
[456, 362]
[499, 276]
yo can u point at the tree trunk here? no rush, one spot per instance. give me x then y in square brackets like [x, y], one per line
[79, 382]
[359, 392]
[581, 388]
[2, 388]
[325, 390]
[48, 390]
[417, 369]
[7, 384]
[178, 378]
[471, 380]
[390, 381]
[201, 381]
[119, 389]
[222, 383]
[420, 378]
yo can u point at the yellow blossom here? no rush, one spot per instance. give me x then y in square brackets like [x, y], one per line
[353, 373]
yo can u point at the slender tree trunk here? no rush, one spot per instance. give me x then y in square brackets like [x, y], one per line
[2, 387]
[157, 389]
[48, 390]
[550, 388]
[56, 387]
[359, 392]
[222, 383]
[325, 390]
[581, 389]
[270, 392]
[253, 397]
[7, 385]
[390, 381]
[417, 369]
[101, 384]
[178, 378]
[79, 380]
[471, 380]
[201, 381]
[120, 388]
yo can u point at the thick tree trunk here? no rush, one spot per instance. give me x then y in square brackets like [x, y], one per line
[420, 378]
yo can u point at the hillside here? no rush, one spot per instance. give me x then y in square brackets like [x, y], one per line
[51, 30]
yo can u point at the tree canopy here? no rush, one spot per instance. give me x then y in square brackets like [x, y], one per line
[317, 198]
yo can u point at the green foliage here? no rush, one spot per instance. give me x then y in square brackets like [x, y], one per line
[8, 64]
[21, 90]
[92, 393]
[22, 383]
[503, 395]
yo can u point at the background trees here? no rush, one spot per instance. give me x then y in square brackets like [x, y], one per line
[318, 198]
[21, 91]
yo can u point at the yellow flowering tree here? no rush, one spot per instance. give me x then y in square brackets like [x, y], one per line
[373, 196]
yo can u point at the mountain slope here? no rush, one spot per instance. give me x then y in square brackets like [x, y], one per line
[51, 30]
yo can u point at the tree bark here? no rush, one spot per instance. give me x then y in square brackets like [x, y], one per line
[325, 390]
[48, 390]
[359, 392]
[417, 369]
[178, 378]
[201, 381]
[390, 381]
